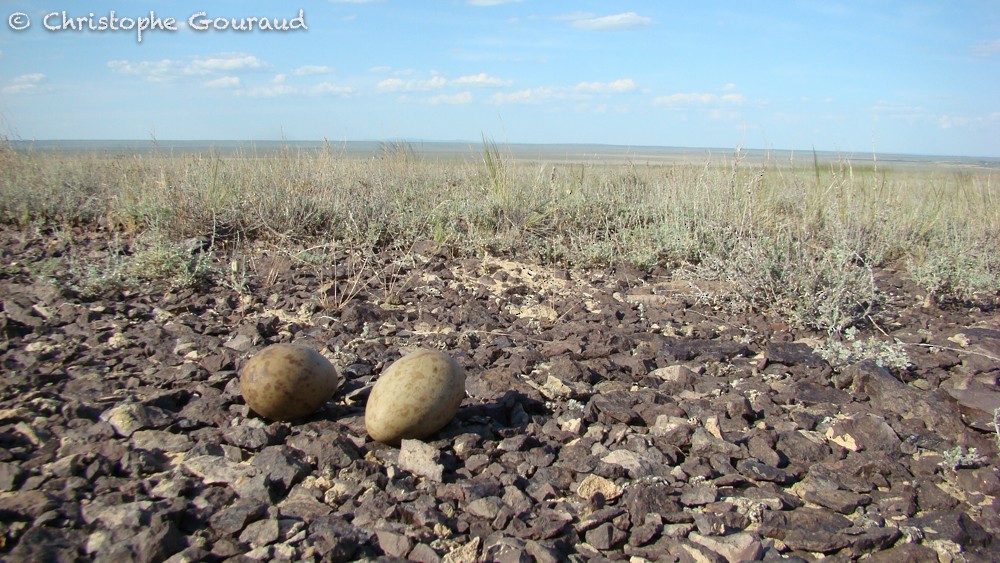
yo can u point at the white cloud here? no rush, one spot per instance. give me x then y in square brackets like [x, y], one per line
[229, 62]
[481, 79]
[391, 85]
[986, 48]
[527, 96]
[951, 121]
[279, 78]
[728, 87]
[698, 98]
[617, 86]
[166, 70]
[306, 70]
[224, 82]
[400, 85]
[354, 1]
[895, 111]
[491, 2]
[616, 22]
[583, 92]
[270, 91]
[23, 84]
[459, 98]
[380, 69]
[325, 88]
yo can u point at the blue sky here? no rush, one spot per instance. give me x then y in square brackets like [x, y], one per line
[920, 77]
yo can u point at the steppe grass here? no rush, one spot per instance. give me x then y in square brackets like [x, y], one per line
[801, 240]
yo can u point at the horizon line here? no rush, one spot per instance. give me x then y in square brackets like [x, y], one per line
[850, 154]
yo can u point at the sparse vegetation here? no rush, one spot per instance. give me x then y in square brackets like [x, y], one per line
[852, 349]
[799, 241]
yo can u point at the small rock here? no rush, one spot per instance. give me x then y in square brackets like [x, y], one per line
[217, 470]
[638, 466]
[232, 519]
[468, 553]
[129, 417]
[261, 533]
[421, 459]
[10, 476]
[844, 502]
[393, 544]
[792, 353]
[161, 441]
[699, 495]
[240, 343]
[42, 543]
[423, 553]
[741, 546]
[808, 529]
[605, 536]
[487, 507]
[27, 504]
[953, 526]
[595, 484]
[303, 507]
[758, 471]
[245, 435]
[113, 517]
[599, 517]
[280, 466]
[864, 432]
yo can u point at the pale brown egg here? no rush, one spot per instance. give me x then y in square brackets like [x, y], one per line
[415, 397]
[287, 381]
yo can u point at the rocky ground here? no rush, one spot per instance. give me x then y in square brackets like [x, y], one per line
[611, 415]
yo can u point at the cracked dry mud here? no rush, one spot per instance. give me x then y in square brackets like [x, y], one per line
[610, 415]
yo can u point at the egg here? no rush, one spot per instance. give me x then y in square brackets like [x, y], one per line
[414, 397]
[287, 381]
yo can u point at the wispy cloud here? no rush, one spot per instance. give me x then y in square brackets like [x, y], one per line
[953, 121]
[24, 84]
[306, 70]
[616, 22]
[354, 1]
[329, 88]
[166, 70]
[616, 86]
[279, 88]
[400, 85]
[698, 98]
[582, 92]
[436, 81]
[224, 82]
[528, 96]
[451, 99]
[986, 48]
[481, 79]
[884, 109]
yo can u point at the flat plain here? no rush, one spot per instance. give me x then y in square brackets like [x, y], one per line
[715, 357]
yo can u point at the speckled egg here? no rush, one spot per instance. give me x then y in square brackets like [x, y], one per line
[415, 397]
[287, 381]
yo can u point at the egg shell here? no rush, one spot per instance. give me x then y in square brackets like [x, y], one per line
[415, 397]
[287, 381]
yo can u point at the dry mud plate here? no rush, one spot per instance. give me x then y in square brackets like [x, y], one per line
[610, 415]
